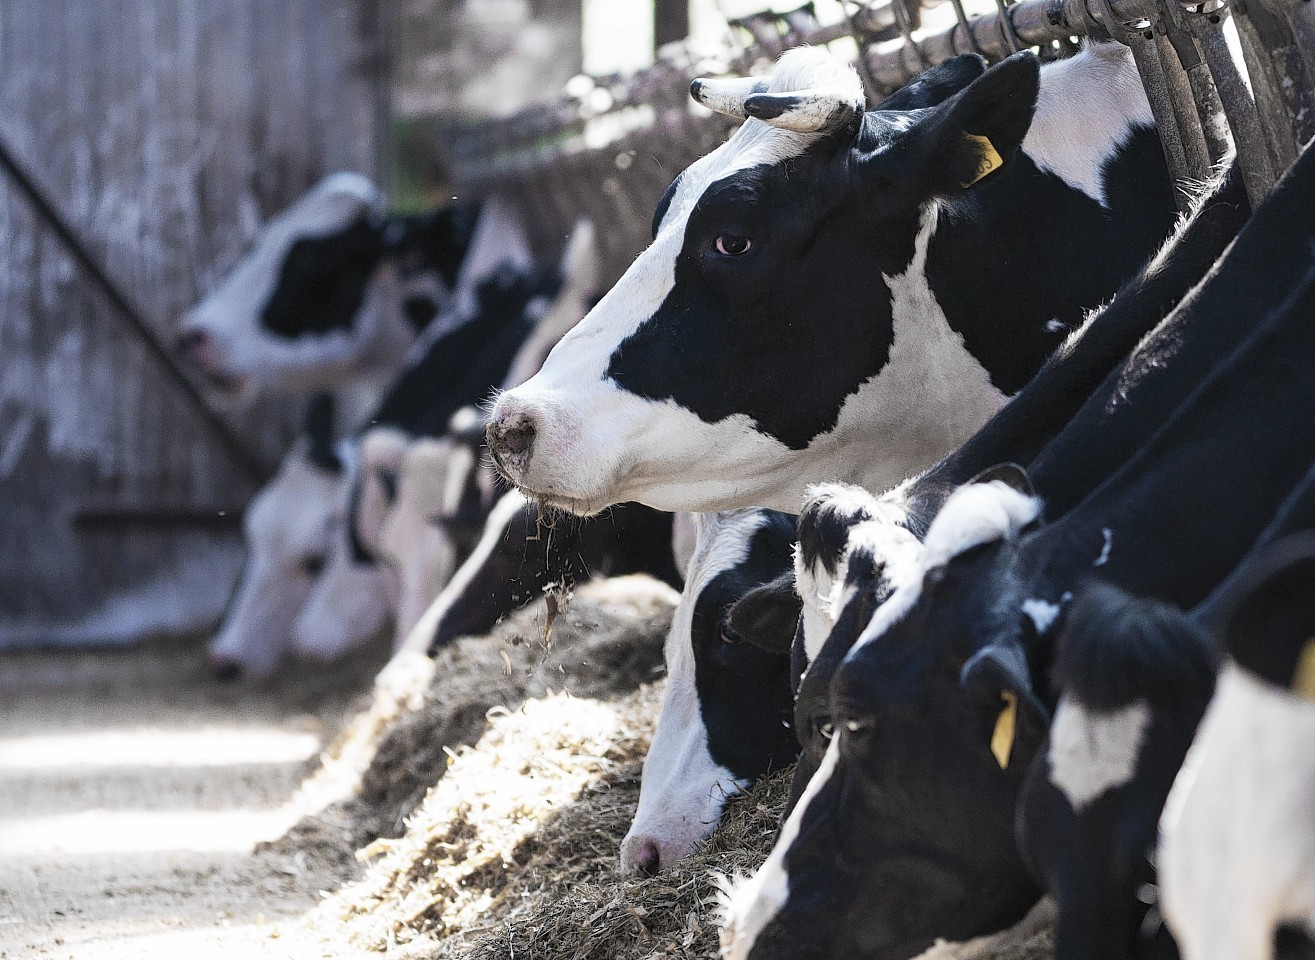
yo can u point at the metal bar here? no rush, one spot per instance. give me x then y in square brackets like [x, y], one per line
[1209, 111]
[121, 516]
[1184, 105]
[1269, 52]
[250, 464]
[1253, 152]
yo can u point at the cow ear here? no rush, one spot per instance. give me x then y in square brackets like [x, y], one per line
[964, 140]
[1011, 475]
[766, 616]
[998, 675]
[937, 84]
[1269, 629]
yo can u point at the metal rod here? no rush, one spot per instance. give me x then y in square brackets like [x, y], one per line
[245, 459]
[1253, 153]
[1184, 105]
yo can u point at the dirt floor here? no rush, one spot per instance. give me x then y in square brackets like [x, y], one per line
[132, 791]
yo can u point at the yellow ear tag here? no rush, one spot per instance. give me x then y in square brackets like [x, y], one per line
[988, 158]
[1303, 679]
[1002, 740]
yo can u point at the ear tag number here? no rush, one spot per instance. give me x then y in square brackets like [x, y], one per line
[1002, 740]
[1303, 678]
[988, 158]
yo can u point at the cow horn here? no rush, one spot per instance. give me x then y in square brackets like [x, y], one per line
[726, 95]
[804, 111]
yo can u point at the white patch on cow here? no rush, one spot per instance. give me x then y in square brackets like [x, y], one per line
[1094, 751]
[288, 525]
[1042, 613]
[821, 592]
[1104, 557]
[350, 603]
[433, 474]
[750, 905]
[1237, 853]
[975, 514]
[683, 788]
[1078, 152]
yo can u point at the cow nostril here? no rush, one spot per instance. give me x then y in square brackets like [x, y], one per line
[512, 439]
[649, 861]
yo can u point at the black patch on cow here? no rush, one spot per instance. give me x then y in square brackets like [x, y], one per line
[464, 366]
[824, 530]
[322, 281]
[1116, 649]
[744, 691]
[355, 548]
[321, 450]
[937, 84]
[1272, 625]
[1002, 272]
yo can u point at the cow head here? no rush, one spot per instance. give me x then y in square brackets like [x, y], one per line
[330, 290]
[725, 714]
[1135, 675]
[289, 530]
[791, 254]
[905, 833]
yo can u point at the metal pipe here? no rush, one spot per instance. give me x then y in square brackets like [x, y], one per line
[1249, 143]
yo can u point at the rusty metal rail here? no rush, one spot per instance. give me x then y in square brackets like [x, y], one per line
[563, 160]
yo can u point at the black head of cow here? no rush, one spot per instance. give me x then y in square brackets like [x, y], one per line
[905, 833]
[793, 252]
[1134, 677]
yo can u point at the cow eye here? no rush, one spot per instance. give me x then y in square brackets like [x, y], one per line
[312, 566]
[826, 729]
[729, 245]
[728, 635]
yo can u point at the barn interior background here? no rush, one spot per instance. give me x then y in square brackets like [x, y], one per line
[164, 132]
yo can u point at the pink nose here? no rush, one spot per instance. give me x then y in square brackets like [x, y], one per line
[648, 859]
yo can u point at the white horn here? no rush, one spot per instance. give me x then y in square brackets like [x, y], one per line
[726, 94]
[805, 111]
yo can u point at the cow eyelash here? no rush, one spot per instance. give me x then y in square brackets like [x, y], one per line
[728, 245]
[728, 635]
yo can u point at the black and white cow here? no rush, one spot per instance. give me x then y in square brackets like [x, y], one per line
[943, 672]
[1100, 391]
[911, 267]
[1237, 849]
[524, 549]
[1134, 676]
[458, 369]
[725, 717]
[333, 292]
[306, 587]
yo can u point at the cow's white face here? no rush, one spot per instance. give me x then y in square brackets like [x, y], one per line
[722, 716]
[412, 539]
[300, 309]
[289, 530]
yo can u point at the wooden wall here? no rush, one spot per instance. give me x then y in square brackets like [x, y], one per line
[166, 130]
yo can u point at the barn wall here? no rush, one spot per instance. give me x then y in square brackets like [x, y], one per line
[166, 130]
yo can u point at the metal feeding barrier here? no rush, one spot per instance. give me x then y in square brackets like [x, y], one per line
[609, 150]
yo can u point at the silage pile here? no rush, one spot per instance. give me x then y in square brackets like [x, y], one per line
[514, 851]
[605, 642]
